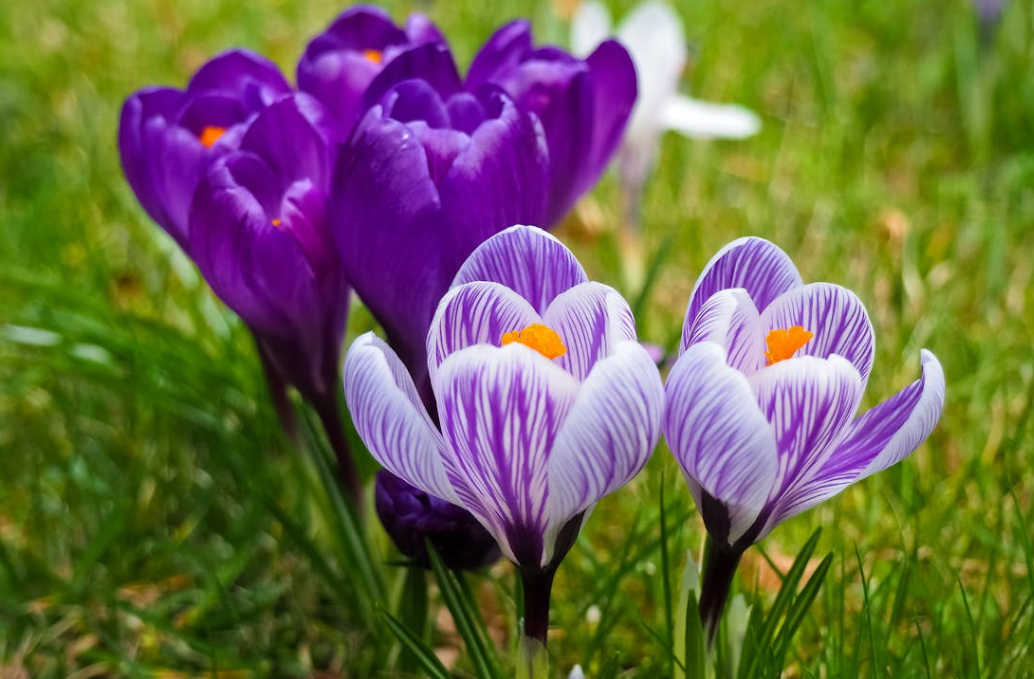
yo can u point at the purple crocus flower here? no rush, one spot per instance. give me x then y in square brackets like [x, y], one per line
[428, 175]
[761, 402]
[258, 233]
[168, 136]
[583, 105]
[546, 401]
[341, 63]
[411, 516]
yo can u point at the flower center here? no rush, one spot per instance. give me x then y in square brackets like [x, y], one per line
[783, 343]
[277, 223]
[375, 56]
[540, 338]
[210, 135]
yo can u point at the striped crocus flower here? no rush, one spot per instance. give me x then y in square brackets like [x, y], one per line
[762, 400]
[546, 401]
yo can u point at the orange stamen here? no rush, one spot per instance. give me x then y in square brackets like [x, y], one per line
[540, 338]
[782, 344]
[210, 135]
[376, 56]
[277, 222]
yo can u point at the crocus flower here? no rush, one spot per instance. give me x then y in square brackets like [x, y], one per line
[341, 63]
[429, 174]
[168, 136]
[583, 105]
[411, 516]
[653, 34]
[546, 401]
[258, 233]
[761, 402]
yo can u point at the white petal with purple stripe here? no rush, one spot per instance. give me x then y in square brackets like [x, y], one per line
[720, 437]
[590, 319]
[526, 259]
[730, 319]
[609, 434]
[501, 409]
[391, 419]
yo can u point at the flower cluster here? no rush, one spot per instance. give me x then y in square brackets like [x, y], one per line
[511, 393]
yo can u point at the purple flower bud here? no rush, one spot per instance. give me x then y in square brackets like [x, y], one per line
[410, 516]
[259, 235]
[340, 64]
[584, 105]
[168, 136]
[429, 174]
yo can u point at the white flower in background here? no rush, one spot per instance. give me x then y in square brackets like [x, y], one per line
[652, 33]
[576, 673]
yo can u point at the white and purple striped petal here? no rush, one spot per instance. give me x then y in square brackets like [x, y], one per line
[836, 317]
[609, 434]
[751, 263]
[730, 319]
[721, 439]
[591, 319]
[475, 313]
[882, 437]
[391, 419]
[808, 402]
[526, 259]
[501, 409]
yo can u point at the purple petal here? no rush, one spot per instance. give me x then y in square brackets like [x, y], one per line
[754, 264]
[615, 90]
[391, 420]
[730, 319]
[809, 402]
[526, 259]
[501, 409]
[250, 77]
[591, 320]
[475, 313]
[383, 209]
[609, 434]
[878, 439]
[431, 63]
[499, 180]
[721, 439]
[837, 318]
[502, 52]
[284, 137]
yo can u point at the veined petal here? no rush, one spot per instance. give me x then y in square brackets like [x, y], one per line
[880, 438]
[754, 264]
[809, 402]
[609, 434]
[591, 319]
[391, 420]
[721, 439]
[730, 319]
[589, 27]
[501, 409]
[836, 317]
[527, 260]
[703, 120]
[475, 313]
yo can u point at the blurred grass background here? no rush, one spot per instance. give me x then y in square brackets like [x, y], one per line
[154, 523]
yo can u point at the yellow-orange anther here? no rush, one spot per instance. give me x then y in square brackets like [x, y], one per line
[783, 343]
[210, 135]
[277, 222]
[376, 56]
[540, 338]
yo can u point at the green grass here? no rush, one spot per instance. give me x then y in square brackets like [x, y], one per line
[154, 523]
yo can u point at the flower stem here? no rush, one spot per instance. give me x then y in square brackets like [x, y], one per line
[537, 585]
[720, 564]
[278, 394]
[329, 412]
